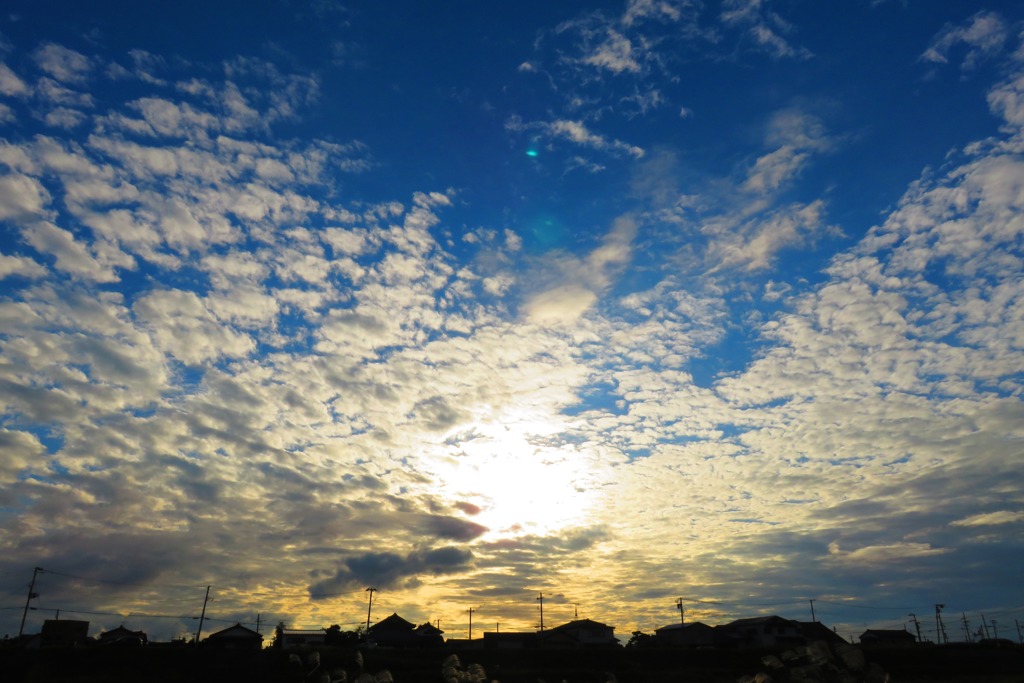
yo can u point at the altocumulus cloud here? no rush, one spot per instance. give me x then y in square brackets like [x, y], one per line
[391, 570]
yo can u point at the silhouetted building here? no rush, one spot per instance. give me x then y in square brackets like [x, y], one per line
[122, 637]
[694, 634]
[294, 637]
[427, 635]
[580, 633]
[64, 633]
[394, 631]
[889, 638]
[759, 632]
[235, 637]
[815, 630]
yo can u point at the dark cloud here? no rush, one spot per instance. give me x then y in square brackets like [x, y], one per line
[469, 508]
[437, 414]
[453, 528]
[391, 570]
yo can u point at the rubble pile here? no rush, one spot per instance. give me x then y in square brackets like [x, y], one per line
[818, 663]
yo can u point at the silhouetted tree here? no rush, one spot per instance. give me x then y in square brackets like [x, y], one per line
[639, 639]
[278, 640]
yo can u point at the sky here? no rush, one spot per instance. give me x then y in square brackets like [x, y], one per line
[615, 303]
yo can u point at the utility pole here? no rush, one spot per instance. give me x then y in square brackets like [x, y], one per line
[540, 599]
[984, 625]
[257, 622]
[995, 631]
[202, 616]
[940, 628]
[813, 618]
[371, 591]
[31, 594]
[967, 627]
[575, 610]
[1020, 638]
[679, 606]
[471, 610]
[917, 625]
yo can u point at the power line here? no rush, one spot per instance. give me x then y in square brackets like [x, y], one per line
[118, 583]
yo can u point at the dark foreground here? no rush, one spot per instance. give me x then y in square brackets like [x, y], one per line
[159, 665]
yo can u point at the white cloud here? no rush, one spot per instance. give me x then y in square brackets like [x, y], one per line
[895, 552]
[664, 10]
[21, 197]
[10, 84]
[62, 117]
[21, 266]
[183, 326]
[562, 305]
[763, 25]
[21, 451]
[984, 34]
[991, 518]
[615, 53]
[64, 64]
[72, 256]
[577, 132]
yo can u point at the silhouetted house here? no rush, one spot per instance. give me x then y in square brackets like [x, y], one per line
[694, 634]
[427, 635]
[580, 633]
[759, 632]
[63, 633]
[294, 637]
[122, 637]
[813, 631]
[394, 631]
[887, 638]
[235, 637]
[509, 640]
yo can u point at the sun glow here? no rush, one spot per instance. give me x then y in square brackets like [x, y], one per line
[522, 481]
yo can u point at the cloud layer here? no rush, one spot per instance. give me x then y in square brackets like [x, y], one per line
[228, 358]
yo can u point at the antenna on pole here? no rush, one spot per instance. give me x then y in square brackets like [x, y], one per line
[940, 628]
[575, 610]
[31, 594]
[471, 610]
[369, 605]
[679, 606]
[540, 599]
[202, 616]
[917, 625]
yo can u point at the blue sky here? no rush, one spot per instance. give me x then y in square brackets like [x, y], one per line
[619, 302]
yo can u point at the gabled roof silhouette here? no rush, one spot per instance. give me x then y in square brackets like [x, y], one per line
[582, 623]
[235, 632]
[393, 623]
[754, 621]
[428, 629]
[122, 632]
[815, 630]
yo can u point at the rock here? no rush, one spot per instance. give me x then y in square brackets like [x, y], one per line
[851, 657]
[819, 663]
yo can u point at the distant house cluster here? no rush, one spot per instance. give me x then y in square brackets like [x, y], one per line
[765, 632]
[769, 632]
